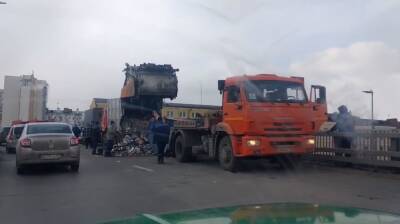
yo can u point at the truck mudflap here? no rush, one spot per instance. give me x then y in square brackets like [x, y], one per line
[265, 146]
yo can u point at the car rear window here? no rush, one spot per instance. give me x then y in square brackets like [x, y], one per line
[49, 128]
[6, 130]
[18, 131]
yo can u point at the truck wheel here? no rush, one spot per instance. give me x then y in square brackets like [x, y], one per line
[225, 155]
[9, 150]
[182, 153]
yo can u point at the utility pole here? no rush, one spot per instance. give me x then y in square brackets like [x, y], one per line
[372, 106]
[201, 93]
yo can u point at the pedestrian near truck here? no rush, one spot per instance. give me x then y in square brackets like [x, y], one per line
[160, 132]
[111, 135]
[345, 126]
[95, 137]
[76, 130]
[150, 134]
[87, 135]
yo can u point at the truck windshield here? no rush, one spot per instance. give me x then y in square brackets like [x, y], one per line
[275, 91]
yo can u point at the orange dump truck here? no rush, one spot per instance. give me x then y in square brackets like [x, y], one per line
[261, 116]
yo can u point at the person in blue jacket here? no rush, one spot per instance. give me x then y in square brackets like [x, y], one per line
[160, 132]
[344, 124]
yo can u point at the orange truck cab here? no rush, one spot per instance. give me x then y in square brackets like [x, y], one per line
[268, 114]
[261, 115]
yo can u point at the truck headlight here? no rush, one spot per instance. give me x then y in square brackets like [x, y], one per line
[253, 142]
[311, 141]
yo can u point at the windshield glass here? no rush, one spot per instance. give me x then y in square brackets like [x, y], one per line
[275, 91]
[5, 130]
[18, 131]
[49, 128]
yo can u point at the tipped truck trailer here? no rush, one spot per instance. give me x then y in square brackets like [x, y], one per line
[144, 89]
[92, 116]
[112, 112]
[261, 116]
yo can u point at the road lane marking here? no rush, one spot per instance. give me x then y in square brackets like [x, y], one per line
[156, 219]
[143, 168]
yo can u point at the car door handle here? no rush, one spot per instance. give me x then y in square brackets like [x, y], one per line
[225, 114]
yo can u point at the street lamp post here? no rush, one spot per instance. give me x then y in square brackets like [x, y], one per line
[372, 106]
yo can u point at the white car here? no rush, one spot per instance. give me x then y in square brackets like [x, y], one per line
[47, 142]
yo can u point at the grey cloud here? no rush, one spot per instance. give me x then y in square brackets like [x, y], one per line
[82, 45]
[348, 71]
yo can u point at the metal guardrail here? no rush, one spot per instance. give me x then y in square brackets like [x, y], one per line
[369, 147]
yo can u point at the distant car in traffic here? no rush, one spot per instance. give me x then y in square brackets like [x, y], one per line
[47, 143]
[3, 134]
[13, 136]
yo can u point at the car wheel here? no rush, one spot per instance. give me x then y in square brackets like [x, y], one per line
[75, 167]
[225, 155]
[20, 169]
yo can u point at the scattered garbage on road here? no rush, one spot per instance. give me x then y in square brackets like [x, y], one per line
[132, 146]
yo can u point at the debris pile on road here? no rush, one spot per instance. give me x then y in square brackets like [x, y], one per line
[135, 145]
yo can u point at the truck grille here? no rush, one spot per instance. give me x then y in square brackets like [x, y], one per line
[280, 126]
[282, 129]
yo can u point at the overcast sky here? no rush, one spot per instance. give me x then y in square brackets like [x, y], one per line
[80, 47]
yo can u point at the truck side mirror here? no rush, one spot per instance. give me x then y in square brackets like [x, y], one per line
[221, 85]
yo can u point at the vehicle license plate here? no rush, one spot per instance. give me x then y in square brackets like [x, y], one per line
[50, 156]
[284, 149]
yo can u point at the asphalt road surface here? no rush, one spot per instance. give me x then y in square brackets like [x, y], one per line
[109, 188]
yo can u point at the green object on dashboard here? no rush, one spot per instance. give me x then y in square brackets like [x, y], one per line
[276, 213]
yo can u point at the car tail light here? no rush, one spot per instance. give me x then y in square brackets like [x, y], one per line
[74, 141]
[26, 142]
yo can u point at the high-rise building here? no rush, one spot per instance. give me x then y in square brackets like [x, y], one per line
[1, 104]
[66, 115]
[10, 99]
[24, 98]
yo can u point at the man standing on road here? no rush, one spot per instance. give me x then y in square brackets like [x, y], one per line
[111, 134]
[95, 137]
[87, 135]
[161, 134]
[150, 134]
[76, 130]
[345, 125]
